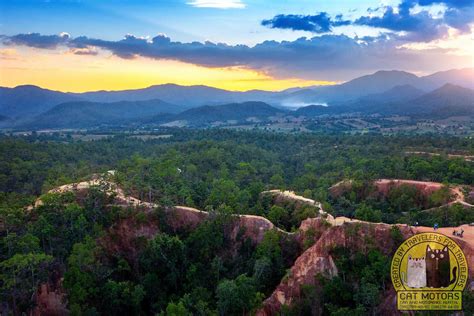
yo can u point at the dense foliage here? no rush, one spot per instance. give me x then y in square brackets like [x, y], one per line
[201, 272]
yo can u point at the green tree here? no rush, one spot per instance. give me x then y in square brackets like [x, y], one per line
[176, 309]
[223, 192]
[20, 276]
[440, 197]
[278, 216]
[238, 296]
[122, 297]
[81, 278]
[367, 213]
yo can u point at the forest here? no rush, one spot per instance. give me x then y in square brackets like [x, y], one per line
[203, 271]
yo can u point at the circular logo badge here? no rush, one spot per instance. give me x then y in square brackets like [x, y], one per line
[429, 272]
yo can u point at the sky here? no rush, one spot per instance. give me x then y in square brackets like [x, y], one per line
[84, 45]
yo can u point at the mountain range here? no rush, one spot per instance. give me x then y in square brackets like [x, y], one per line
[89, 114]
[441, 94]
[377, 83]
[28, 101]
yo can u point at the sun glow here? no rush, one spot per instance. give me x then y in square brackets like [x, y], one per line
[455, 43]
[66, 71]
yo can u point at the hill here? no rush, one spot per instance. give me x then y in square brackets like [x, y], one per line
[191, 96]
[239, 112]
[460, 77]
[313, 110]
[88, 114]
[383, 103]
[396, 94]
[449, 100]
[380, 82]
[28, 101]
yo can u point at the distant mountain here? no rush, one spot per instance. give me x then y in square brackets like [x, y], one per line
[449, 100]
[172, 93]
[378, 83]
[238, 112]
[460, 77]
[28, 101]
[190, 96]
[383, 103]
[395, 94]
[88, 114]
[386, 91]
[372, 103]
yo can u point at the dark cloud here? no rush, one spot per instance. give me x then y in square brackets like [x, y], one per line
[319, 23]
[460, 19]
[417, 26]
[37, 40]
[328, 57]
[420, 26]
[395, 21]
[161, 47]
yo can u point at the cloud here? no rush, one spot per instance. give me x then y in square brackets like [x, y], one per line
[328, 57]
[319, 23]
[218, 4]
[404, 21]
[8, 54]
[461, 20]
[422, 26]
[37, 40]
[419, 26]
[91, 51]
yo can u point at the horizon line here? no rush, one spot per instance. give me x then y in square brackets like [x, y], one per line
[323, 83]
[329, 83]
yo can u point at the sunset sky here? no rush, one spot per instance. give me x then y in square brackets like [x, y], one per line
[80, 45]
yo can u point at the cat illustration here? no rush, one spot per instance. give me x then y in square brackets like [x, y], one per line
[416, 272]
[438, 269]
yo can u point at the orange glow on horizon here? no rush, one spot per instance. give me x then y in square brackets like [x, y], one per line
[68, 72]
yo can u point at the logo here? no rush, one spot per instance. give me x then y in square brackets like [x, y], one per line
[429, 272]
